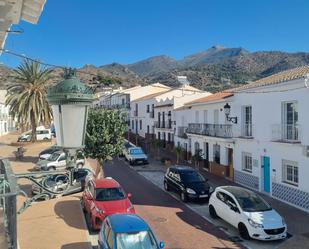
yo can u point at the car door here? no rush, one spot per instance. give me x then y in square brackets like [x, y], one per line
[62, 161]
[219, 204]
[234, 211]
[106, 235]
[178, 184]
[170, 179]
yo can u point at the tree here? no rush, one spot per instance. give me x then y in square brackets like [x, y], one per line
[178, 150]
[156, 143]
[27, 97]
[197, 157]
[104, 135]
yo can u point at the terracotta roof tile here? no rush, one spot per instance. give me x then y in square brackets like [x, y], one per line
[292, 74]
[212, 97]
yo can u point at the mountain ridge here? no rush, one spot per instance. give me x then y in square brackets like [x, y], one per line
[214, 69]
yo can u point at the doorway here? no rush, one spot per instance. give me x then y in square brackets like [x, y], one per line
[206, 156]
[230, 163]
[266, 173]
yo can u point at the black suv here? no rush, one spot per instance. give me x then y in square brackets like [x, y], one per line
[186, 181]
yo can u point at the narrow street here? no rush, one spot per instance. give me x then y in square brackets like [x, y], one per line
[172, 221]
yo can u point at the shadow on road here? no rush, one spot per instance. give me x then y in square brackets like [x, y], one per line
[25, 159]
[70, 212]
[77, 245]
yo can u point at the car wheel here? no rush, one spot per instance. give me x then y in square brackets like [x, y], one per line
[131, 162]
[183, 197]
[212, 212]
[51, 169]
[45, 138]
[166, 186]
[243, 231]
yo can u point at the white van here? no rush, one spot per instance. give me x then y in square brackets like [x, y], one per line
[41, 134]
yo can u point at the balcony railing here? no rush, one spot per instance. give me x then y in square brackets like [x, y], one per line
[286, 133]
[212, 130]
[182, 132]
[164, 125]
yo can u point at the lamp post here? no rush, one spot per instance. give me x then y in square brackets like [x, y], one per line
[227, 111]
[70, 100]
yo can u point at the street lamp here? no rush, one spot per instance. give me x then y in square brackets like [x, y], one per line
[227, 111]
[70, 100]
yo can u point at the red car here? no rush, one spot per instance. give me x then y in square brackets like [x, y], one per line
[103, 197]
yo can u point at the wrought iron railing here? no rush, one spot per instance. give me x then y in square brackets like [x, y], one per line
[164, 124]
[8, 193]
[182, 132]
[212, 130]
[286, 133]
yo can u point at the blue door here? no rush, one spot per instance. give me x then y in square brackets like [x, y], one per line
[266, 173]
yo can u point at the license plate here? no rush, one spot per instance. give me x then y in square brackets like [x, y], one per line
[202, 196]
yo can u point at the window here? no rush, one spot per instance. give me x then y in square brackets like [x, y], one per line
[159, 135]
[221, 196]
[147, 110]
[290, 120]
[216, 116]
[197, 118]
[247, 121]
[196, 147]
[247, 161]
[140, 124]
[133, 124]
[216, 153]
[148, 130]
[122, 102]
[290, 172]
[205, 116]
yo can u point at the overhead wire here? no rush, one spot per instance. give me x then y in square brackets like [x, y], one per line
[92, 74]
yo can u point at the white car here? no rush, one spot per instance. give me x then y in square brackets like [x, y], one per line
[41, 134]
[58, 161]
[249, 213]
[135, 155]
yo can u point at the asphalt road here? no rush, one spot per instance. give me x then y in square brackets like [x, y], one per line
[172, 221]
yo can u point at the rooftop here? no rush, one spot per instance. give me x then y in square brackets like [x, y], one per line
[106, 183]
[150, 96]
[212, 97]
[292, 74]
[127, 223]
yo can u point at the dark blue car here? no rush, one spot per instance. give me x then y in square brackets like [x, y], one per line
[127, 231]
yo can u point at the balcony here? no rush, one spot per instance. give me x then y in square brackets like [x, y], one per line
[288, 133]
[151, 114]
[212, 130]
[163, 125]
[182, 132]
[135, 113]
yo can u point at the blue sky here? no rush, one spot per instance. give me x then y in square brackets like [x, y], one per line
[78, 32]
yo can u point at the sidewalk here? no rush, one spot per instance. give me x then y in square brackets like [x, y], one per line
[297, 220]
[54, 224]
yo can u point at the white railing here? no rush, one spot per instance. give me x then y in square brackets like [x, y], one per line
[286, 132]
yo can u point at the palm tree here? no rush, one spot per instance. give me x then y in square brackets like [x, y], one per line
[27, 97]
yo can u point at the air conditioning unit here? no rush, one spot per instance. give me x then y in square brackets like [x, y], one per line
[306, 150]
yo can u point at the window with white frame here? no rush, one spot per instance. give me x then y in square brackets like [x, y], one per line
[247, 121]
[205, 116]
[247, 161]
[197, 117]
[290, 172]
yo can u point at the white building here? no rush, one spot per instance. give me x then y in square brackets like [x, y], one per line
[6, 122]
[11, 12]
[153, 114]
[272, 153]
[202, 125]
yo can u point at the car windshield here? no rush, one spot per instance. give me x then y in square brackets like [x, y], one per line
[139, 240]
[136, 151]
[53, 157]
[253, 203]
[109, 194]
[191, 176]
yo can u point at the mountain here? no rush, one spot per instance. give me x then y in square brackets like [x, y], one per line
[154, 64]
[214, 69]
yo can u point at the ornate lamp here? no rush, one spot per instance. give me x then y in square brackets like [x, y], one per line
[70, 100]
[227, 111]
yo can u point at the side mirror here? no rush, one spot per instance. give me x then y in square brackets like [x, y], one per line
[129, 195]
[161, 244]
